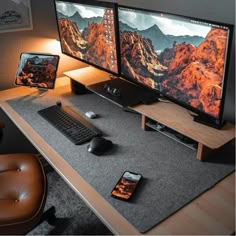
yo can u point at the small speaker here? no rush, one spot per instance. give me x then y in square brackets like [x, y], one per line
[77, 88]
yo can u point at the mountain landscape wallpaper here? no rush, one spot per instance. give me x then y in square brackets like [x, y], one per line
[87, 33]
[182, 59]
[37, 70]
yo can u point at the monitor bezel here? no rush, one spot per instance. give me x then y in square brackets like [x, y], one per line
[218, 121]
[116, 30]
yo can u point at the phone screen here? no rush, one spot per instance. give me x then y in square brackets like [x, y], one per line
[126, 185]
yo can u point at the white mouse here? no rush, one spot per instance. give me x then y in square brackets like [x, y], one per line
[90, 114]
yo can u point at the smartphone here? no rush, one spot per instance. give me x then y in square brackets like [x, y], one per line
[126, 185]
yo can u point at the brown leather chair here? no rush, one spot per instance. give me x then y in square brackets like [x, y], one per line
[23, 191]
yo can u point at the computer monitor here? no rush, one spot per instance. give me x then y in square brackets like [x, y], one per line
[87, 31]
[183, 58]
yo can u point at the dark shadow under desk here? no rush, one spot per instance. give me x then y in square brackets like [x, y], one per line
[172, 175]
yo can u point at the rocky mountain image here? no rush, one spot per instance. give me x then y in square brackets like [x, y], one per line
[37, 72]
[153, 33]
[188, 73]
[89, 39]
[165, 41]
[125, 27]
[71, 39]
[139, 59]
[79, 20]
[195, 40]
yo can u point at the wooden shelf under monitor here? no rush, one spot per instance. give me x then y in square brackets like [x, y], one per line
[179, 119]
[169, 114]
[88, 75]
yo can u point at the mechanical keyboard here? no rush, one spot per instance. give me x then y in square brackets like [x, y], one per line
[73, 125]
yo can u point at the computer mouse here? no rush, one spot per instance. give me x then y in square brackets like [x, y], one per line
[99, 145]
[91, 114]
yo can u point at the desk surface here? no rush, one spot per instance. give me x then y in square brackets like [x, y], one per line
[211, 213]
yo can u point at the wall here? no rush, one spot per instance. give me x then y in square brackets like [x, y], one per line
[42, 37]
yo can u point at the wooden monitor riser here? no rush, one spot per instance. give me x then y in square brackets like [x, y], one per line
[209, 139]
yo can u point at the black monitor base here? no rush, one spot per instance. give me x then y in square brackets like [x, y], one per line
[124, 93]
[77, 88]
[214, 123]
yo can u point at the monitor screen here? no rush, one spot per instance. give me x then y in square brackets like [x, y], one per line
[185, 59]
[87, 31]
[37, 70]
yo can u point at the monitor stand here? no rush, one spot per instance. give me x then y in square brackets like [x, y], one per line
[124, 93]
[77, 88]
[40, 91]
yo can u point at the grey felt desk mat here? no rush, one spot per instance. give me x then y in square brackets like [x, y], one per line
[172, 175]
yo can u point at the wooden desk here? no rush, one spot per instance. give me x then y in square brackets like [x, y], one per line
[210, 213]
